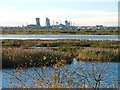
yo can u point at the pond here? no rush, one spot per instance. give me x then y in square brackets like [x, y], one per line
[82, 37]
[77, 71]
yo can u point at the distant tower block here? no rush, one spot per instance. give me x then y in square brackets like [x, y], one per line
[47, 23]
[38, 22]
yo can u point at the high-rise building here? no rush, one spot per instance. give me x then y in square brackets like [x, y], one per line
[38, 22]
[47, 23]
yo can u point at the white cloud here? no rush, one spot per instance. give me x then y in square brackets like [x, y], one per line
[90, 17]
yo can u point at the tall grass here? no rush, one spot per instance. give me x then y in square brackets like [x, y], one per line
[59, 32]
[14, 57]
[17, 52]
[95, 54]
[63, 43]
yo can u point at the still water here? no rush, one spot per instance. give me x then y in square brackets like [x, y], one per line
[109, 71]
[82, 37]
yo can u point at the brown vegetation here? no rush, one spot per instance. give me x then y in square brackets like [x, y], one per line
[19, 57]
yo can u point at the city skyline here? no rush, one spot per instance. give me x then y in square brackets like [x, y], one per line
[20, 12]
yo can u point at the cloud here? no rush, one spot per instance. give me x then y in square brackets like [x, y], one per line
[89, 17]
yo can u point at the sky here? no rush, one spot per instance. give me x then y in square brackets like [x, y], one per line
[79, 12]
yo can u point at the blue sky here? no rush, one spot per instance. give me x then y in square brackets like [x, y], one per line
[80, 12]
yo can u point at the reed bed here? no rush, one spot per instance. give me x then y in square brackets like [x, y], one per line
[62, 43]
[18, 52]
[60, 32]
[20, 57]
[96, 54]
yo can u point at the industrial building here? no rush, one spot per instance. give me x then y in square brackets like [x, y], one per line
[47, 23]
[38, 22]
[58, 25]
[67, 24]
[37, 25]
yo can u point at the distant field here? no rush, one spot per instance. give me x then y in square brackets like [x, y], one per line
[59, 32]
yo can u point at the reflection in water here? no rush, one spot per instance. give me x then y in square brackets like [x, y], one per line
[77, 71]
